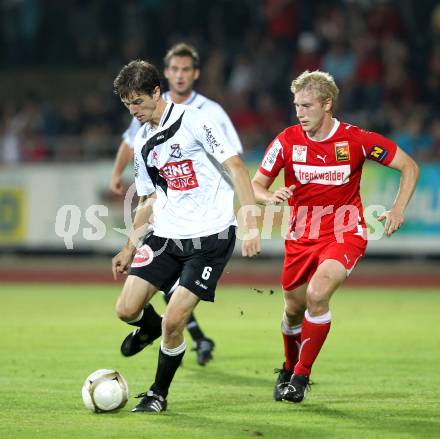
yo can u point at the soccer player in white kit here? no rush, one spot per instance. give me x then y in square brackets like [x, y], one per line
[180, 159]
[181, 71]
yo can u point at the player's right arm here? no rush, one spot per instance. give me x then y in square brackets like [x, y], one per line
[270, 167]
[123, 157]
[141, 223]
[261, 184]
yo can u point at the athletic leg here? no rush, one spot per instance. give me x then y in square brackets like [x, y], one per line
[316, 324]
[294, 307]
[133, 308]
[172, 349]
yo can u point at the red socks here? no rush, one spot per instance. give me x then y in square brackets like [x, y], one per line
[292, 343]
[314, 333]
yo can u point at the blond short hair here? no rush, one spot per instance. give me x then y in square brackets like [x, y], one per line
[322, 83]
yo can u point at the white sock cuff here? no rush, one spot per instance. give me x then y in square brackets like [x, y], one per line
[325, 318]
[290, 330]
[173, 352]
[136, 319]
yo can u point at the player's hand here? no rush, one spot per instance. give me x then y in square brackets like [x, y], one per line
[121, 262]
[393, 220]
[116, 185]
[281, 195]
[251, 244]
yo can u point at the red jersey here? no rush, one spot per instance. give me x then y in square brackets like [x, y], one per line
[327, 176]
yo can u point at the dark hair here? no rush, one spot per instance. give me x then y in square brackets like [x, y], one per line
[182, 49]
[137, 76]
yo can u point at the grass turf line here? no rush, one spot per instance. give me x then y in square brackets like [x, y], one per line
[377, 376]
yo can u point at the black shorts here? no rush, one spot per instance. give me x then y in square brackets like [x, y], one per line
[197, 262]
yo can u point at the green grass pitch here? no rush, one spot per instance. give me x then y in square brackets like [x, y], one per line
[378, 376]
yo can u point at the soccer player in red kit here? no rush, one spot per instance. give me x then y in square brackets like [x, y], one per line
[322, 160]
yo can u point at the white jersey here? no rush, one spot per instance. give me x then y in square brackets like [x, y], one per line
[181, 160]
[211, 109]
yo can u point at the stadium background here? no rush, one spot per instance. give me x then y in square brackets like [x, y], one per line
[60, 124]
[60, 127]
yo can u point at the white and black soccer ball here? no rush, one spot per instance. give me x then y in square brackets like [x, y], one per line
[105, 390]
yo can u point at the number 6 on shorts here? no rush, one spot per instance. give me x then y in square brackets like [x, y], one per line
[206, 273]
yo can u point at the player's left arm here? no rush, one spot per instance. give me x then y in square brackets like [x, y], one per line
[216, 144]
[245, 193]
[229, 130]
[409, 174]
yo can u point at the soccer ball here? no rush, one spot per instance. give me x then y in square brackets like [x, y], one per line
[105, 390]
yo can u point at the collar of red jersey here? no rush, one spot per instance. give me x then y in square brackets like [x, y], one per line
[336, 124]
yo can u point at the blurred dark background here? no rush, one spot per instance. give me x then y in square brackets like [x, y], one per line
[58, 60]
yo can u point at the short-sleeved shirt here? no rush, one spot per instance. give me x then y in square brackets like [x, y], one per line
[327, 176]
[181, 161]
[212, 110]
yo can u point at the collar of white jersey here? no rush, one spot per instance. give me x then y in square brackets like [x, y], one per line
[330, 134]
[149, 130]
[166, 114]
[190, 101]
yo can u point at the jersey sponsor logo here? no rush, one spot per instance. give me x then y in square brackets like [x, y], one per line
[321, 157]
[271, 156]
[180, 176]
[212, 141]
[342, 150]
[328, 175]
[136, 167]
[378, 153]
[176, 152]
[299, 153]
[144, 256]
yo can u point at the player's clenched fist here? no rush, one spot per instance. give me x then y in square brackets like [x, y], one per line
[281, 195]
[251, 246]
[121, 262]
[393, 220]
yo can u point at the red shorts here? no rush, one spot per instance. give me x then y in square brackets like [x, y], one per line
[302, 258]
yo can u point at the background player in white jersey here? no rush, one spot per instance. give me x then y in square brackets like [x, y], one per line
[181, 71]
[179, 155]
